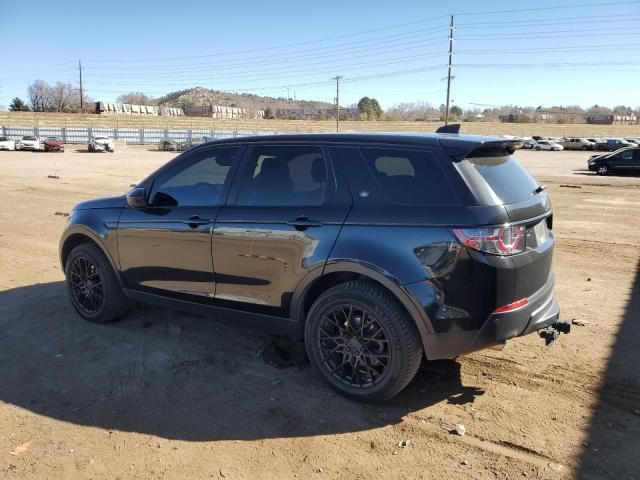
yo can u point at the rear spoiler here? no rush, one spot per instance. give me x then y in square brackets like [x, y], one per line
[453, 128]
[487, 148]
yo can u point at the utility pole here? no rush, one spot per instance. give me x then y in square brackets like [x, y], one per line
[451, 30]
[337, 78]
[81, 93]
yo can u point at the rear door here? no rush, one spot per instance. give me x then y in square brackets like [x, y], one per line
[625, 160]
[283, 216]
[166, 247]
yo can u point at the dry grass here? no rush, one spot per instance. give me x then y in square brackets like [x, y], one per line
[29, 119]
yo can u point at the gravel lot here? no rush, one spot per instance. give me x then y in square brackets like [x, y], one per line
[168, 395]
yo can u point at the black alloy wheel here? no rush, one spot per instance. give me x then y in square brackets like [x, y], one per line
[362, 341]
[354, 346]
[93, 286]
[87, 288]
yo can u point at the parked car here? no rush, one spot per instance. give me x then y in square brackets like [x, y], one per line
[29, 142]
[7, 144]
[548, 145]
[613, 144]
[528, 143]
[167, 145]
[376, 249]
[53, 144]
[101, 144]
[633, 140]
[575, 143]
[624, 160]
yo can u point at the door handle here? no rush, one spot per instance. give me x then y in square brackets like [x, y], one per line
[194, 221]
[304, 222]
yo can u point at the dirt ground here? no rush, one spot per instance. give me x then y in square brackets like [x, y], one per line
[168, 395]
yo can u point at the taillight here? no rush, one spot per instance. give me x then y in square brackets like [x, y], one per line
[496, 240]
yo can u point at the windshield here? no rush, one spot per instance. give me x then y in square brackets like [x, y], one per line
[497, 180]
[53, 139]
[101, 138]
[26, 137]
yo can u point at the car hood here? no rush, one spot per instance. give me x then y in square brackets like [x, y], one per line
[55, 143]
[105, 202]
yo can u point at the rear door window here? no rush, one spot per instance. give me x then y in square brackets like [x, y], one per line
[497, 180]
[284, 175]
[409, 177]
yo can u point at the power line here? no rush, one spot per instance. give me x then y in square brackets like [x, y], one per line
[541, 9]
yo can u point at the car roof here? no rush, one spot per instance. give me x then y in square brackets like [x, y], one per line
[453, 144]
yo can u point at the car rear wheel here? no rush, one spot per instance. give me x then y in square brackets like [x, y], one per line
[538, 148]
[362, 341]
[602, 170]
[92, 285]
[585, 148]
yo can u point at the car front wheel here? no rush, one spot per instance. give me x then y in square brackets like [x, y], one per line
[92, 285]
[362, 341]
[602, 170]
[538, 148]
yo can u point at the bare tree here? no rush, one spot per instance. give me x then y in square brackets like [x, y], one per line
[136, 98]
[40, 98]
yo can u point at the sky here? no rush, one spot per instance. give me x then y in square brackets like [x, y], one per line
[527, 53]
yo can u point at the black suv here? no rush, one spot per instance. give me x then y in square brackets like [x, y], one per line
[377, 249]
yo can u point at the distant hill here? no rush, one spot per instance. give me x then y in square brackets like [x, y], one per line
[193, 97]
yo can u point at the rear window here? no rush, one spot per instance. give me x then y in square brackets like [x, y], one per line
[409, 177]
[497, 180]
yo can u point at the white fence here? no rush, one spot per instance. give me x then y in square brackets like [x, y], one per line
[132, 136]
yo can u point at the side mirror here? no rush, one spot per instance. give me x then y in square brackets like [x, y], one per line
[137, 198]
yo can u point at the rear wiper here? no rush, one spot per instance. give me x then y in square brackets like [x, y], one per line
[539, 189]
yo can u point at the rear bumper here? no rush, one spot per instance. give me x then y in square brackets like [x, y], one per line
[541, 311]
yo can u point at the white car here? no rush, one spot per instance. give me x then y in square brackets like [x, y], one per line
[101, 144]
[29, 142]
[7, 144]
[548, 145]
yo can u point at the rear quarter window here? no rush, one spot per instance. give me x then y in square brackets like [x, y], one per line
[409, 177]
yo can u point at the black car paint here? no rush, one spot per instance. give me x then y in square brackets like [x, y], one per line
[250, 263]
[615, 163]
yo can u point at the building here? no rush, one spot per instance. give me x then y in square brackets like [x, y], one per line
[219, 111]
[105, 108]
[611, 119]
[314, 113]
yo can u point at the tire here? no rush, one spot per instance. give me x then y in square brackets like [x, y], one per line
[333, 343]
[602, 170]
[89, 258]
[46, 149]
[537, 149]
[584, 148]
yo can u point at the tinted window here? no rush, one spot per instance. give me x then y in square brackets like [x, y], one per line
[26, 137]
[497, 180]
[284, 176]
[626, 155]
[3, 139]
[409, 177]
[196, 181]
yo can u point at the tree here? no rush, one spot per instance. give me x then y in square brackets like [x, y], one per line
[17, 105]
[370, 108]
[456, 110]
[268, 113]
[40, 99]
[136, 98]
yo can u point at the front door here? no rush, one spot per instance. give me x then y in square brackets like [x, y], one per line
[166, 247]
[283, 215]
